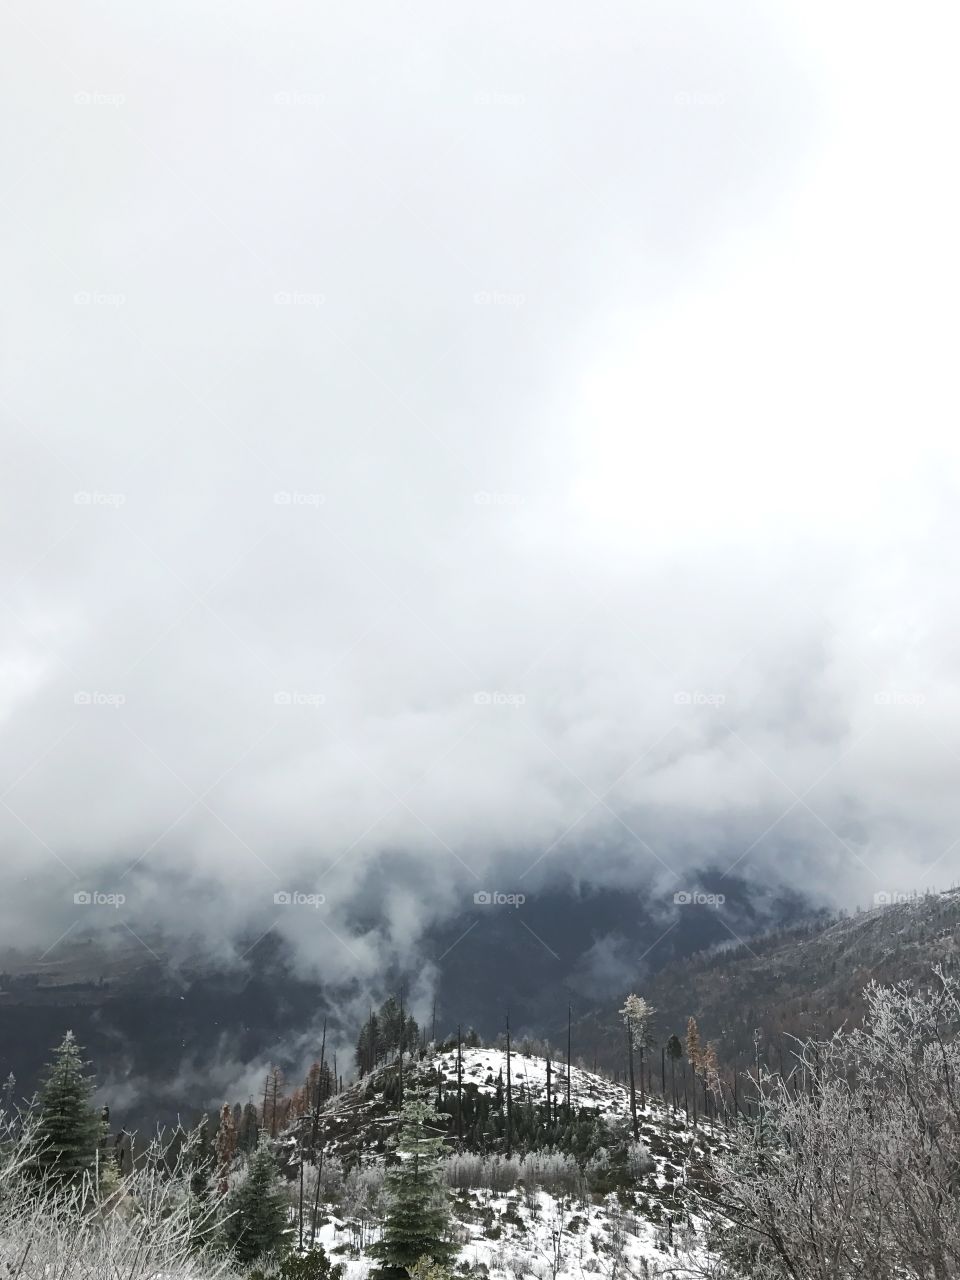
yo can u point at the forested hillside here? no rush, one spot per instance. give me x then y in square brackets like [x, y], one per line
[808, 980]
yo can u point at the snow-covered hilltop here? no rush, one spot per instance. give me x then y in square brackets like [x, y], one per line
[483, 1067]
[593, 1200]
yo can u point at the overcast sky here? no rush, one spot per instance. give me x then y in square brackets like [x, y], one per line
[457, 447]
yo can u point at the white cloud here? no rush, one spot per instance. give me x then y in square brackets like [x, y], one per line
[707, 397]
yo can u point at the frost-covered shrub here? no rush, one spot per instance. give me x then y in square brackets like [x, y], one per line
[361, 1192]
[618, 1167]
[331, 1181]
[550, 1170]
[466, 1169]
[504, 1173]
[553, 1171]
[153, 1223]
[597, 1170]
[858, 1173]
[639, 1160]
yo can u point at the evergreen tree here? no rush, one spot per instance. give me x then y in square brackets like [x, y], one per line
[257, 1220]
[418, 1215]
[369, 1045]
[68, 1128]
[248, 1130]
[390, 1026]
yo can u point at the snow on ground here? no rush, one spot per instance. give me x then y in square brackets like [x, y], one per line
[536, 1234]
[482, 1066]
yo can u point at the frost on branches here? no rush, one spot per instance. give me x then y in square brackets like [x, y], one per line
[853, 1168]
[638, 1013]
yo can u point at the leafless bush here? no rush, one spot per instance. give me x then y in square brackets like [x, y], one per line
[858, 1174]
[552, 1171]
[331, 1181]
[145, 1227]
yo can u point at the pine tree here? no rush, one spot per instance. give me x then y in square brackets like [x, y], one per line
[248, 1130]
[68, 1128]
[390, 1026]
[418, 1215]
[257, 1220]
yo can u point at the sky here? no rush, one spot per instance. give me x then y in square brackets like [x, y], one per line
[472, 448]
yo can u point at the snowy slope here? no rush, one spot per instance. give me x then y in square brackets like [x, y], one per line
[650, 1230]
[541, 1235]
